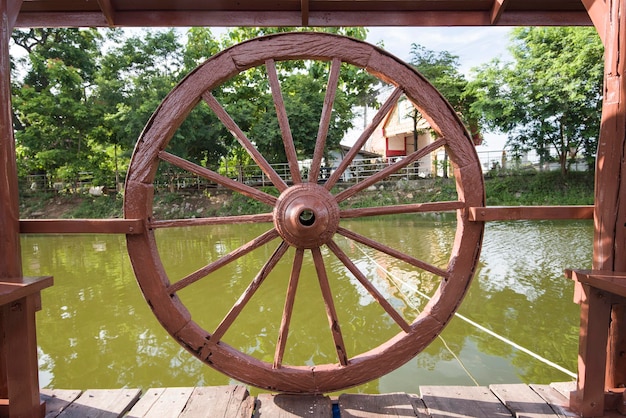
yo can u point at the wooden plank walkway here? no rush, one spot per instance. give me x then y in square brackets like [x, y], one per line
[516, 400]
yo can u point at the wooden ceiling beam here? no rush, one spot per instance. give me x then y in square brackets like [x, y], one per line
[304, 7]
[598, 13]
[13, 9]
[303, 17]
[108, 11]
[497, 9]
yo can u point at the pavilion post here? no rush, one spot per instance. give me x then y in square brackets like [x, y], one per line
[19, 382]
[601, 360]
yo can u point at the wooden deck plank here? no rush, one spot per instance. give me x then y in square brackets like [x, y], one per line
[168, 403]
[374, 406]
[292, 406]
[557, 402]
[57, 400]
[219, 401]
[522, 401]
[146, 401]
[462, 402]
[102, 403]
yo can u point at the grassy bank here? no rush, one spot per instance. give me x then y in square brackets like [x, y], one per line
[529, 189]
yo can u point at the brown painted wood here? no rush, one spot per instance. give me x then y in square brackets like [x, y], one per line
[102, 403]
[612, 282]
[302, 13]
[392, 252]
[228, 258]
[497, 10]
[595, 313]
[218, 220]
[403, 209]
[249, 292]
[243, 140]
[288, 223]
[20, 337]
[81, 226]
[329, 303]
[381, 114]
[292, 406]
[57, 400]
[327, 109]
[460, 401]
[283, 121]
[371, 289]
[11, 291]
[218, 178]
[523, 401]
[391, 169]
[288, 308]
[353, 405]
[515, 213]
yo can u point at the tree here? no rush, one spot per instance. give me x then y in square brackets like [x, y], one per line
[442, 70]
[549, 97]
[54, 113]
[303, 83]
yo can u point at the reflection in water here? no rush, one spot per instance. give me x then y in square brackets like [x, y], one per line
[96, 331]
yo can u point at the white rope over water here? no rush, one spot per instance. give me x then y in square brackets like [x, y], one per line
[469, 321]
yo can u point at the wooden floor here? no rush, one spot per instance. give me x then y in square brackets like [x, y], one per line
[517, 400]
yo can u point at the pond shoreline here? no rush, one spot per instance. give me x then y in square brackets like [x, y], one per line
[548, 188]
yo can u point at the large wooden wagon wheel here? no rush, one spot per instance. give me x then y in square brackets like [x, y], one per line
[306, 215]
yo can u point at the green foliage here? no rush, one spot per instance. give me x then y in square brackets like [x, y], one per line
[550, 96]
[86, 95]
[441, 69]
[547, 188]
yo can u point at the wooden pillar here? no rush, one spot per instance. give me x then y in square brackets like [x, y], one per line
[19, 381]
[602, 366]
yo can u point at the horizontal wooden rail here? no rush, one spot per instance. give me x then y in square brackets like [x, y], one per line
[517, 213]
[609, 281]
[10, 291]
[81, 226]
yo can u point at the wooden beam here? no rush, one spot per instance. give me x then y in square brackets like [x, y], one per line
[497, 9]
[515, 213]
[597, 11]
[13, 9]
[294, 18]
[108, 11]
[304, 7]
[81, 226]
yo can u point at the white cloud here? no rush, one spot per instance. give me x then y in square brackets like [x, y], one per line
[473, 45]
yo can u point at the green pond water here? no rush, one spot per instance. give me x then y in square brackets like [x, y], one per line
[96, 331]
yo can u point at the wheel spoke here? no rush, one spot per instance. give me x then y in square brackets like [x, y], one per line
[331, 313]
[218, 178]
[283, 121]
[232, 256]
[446, 206]
[214, 220]
[327, 110]
[394, 253]
[288, 310]
[248, 293]
[386, 172]
[384, 303]
[234, 129]
[367, 133]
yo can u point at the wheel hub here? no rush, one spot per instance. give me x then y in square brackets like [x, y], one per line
[306, 215]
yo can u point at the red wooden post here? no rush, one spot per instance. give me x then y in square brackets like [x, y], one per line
[609, 252]
[19, 381]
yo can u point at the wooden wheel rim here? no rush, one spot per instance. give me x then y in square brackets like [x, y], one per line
[155, 284]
